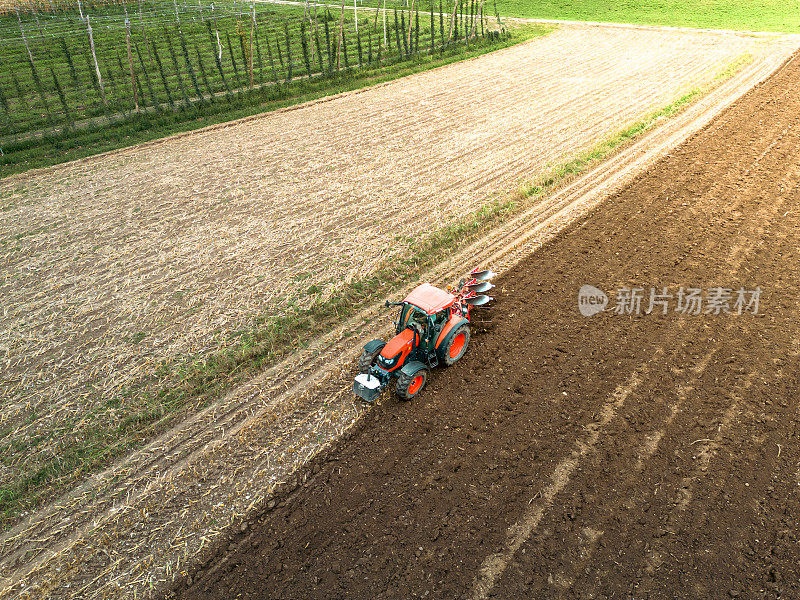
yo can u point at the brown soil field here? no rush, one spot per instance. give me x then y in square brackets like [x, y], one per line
[650, 456]
[141, 524]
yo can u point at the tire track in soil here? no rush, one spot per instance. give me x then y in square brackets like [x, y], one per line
[733, 434]
[712, 442]
[418, 500]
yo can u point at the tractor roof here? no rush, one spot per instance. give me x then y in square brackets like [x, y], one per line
[429, 298]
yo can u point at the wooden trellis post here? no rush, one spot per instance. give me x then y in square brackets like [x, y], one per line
[410, 21]
[341, 36]
[452, 20]
[96, 64]
[24, 39]
[216, 30]
[475, 24]
[385, 39]
[314, 54]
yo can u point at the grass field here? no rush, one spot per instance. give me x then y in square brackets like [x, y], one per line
[745, 15]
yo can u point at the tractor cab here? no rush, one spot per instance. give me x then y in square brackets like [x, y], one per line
[411, 316]
[425, 310]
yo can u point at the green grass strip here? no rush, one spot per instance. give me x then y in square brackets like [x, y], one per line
[743, 15]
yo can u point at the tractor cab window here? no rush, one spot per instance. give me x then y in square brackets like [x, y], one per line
[410, 315]
[439, 319]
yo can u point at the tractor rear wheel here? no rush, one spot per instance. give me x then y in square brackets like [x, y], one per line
[409, 386]
[367, 359]
[454, 345]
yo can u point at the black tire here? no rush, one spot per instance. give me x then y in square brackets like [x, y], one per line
[408, 386]
[367, 359]
[454, 346]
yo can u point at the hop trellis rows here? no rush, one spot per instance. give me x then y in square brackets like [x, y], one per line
[69, 64]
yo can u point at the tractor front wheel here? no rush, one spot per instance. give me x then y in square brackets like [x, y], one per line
[409, 386]
[367, 359]
[454, 345]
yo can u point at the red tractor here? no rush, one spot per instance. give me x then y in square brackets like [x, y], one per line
[432, 328]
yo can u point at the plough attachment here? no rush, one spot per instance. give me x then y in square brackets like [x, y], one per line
[478, 300]
[482, 275]
[478, 286]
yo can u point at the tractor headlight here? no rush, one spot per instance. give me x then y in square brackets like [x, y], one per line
[388, 363]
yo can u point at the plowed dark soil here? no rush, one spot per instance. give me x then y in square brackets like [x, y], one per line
[651, 456]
